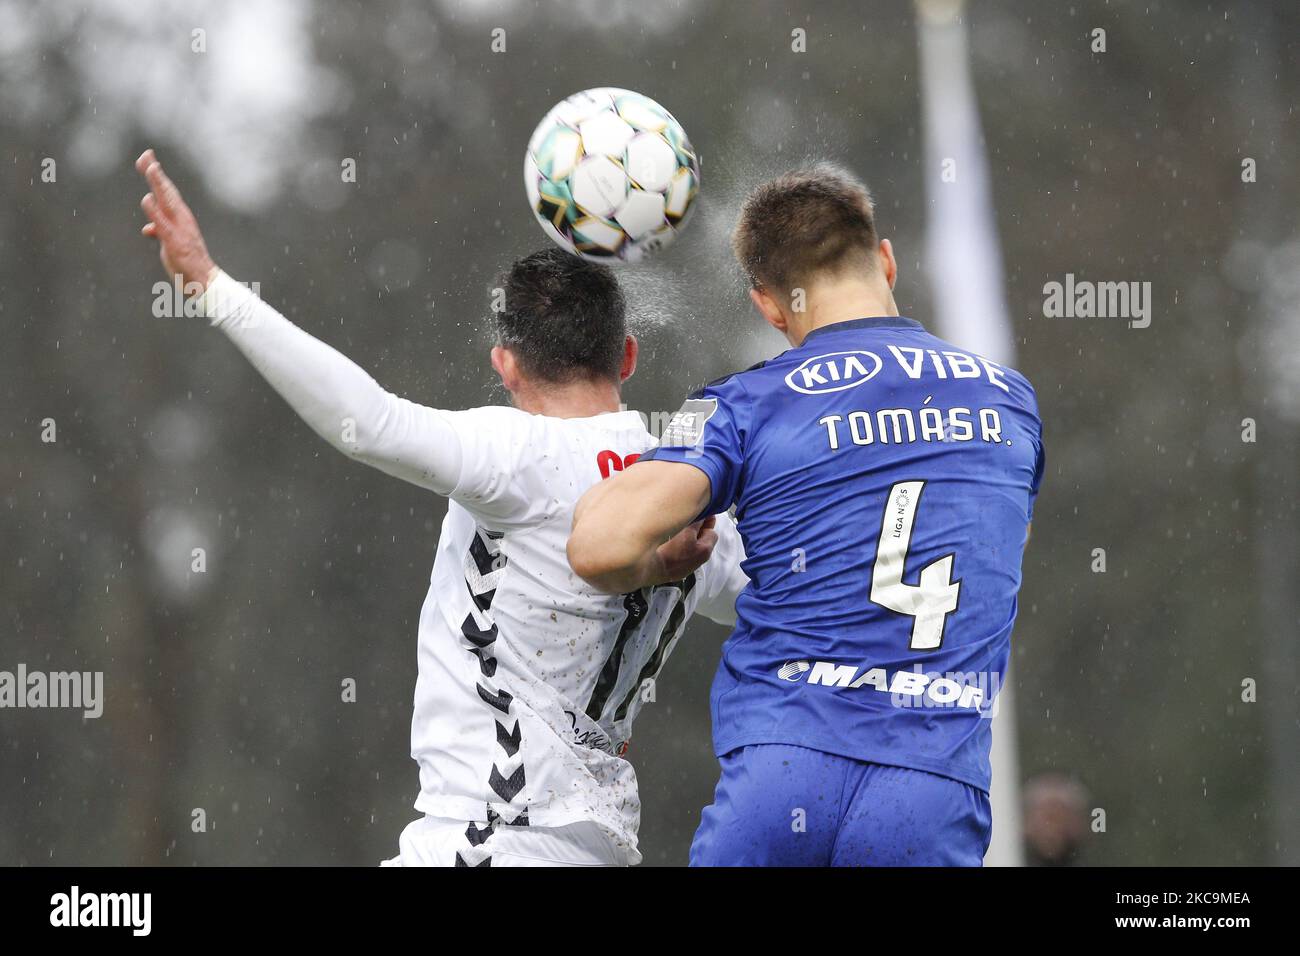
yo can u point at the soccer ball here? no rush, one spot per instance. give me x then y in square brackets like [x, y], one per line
[611, 175]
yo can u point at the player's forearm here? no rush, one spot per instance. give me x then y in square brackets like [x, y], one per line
[338, 399]
[606, 551]
[620, 523]
[615, 570]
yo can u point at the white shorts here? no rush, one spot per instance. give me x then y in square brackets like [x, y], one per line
[437, 841]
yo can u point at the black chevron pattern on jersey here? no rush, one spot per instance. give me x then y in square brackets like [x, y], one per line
[486, 559]
[635, 604]
[460, 861]
[508, 740]
[487, 664]
[507, 788]
[498, 699]
[477, 835]
[672, 630]
[495, 819]
[485, 566]
[478, 636]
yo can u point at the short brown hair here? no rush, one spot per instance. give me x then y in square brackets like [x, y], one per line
[816, 219]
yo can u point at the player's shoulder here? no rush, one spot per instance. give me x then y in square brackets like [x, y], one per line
[733, 383]
[595, 438]
[493, 415]
[498, 430]
[509, 418]
[1016, 383]
[1022, 382]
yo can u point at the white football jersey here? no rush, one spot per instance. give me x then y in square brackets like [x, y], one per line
[529, 679]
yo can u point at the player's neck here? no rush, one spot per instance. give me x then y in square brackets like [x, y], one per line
[574, 400]
[841, 302]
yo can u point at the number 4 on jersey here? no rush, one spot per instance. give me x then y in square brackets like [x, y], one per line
[930, 602]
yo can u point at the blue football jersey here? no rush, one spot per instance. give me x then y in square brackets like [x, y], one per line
[883, 482]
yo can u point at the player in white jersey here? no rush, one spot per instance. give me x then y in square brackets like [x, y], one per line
[529, 679]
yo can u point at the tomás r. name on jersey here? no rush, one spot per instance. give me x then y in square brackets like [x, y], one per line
[883, 482]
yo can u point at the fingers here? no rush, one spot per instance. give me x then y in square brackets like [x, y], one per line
[707, 541]
[150, 206]
[164, 190]
[169, 197]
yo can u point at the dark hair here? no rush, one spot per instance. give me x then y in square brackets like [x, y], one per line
[563, 318]
[818, 219]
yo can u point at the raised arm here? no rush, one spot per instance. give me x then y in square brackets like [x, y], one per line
[332, 394]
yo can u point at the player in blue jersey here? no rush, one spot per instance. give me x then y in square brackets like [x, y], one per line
[883, 482]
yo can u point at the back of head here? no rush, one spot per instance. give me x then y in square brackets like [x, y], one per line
[564, 318]
[803, 225]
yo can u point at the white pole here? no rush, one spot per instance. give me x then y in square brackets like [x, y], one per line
[964, 263]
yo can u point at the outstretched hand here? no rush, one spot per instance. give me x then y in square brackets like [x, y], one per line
[180, 243]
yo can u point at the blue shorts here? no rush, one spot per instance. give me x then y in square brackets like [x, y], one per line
[779, 805]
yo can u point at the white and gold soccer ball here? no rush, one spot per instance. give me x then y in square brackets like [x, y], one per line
[611, 175]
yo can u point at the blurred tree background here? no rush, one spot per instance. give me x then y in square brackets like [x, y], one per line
[223, 688]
